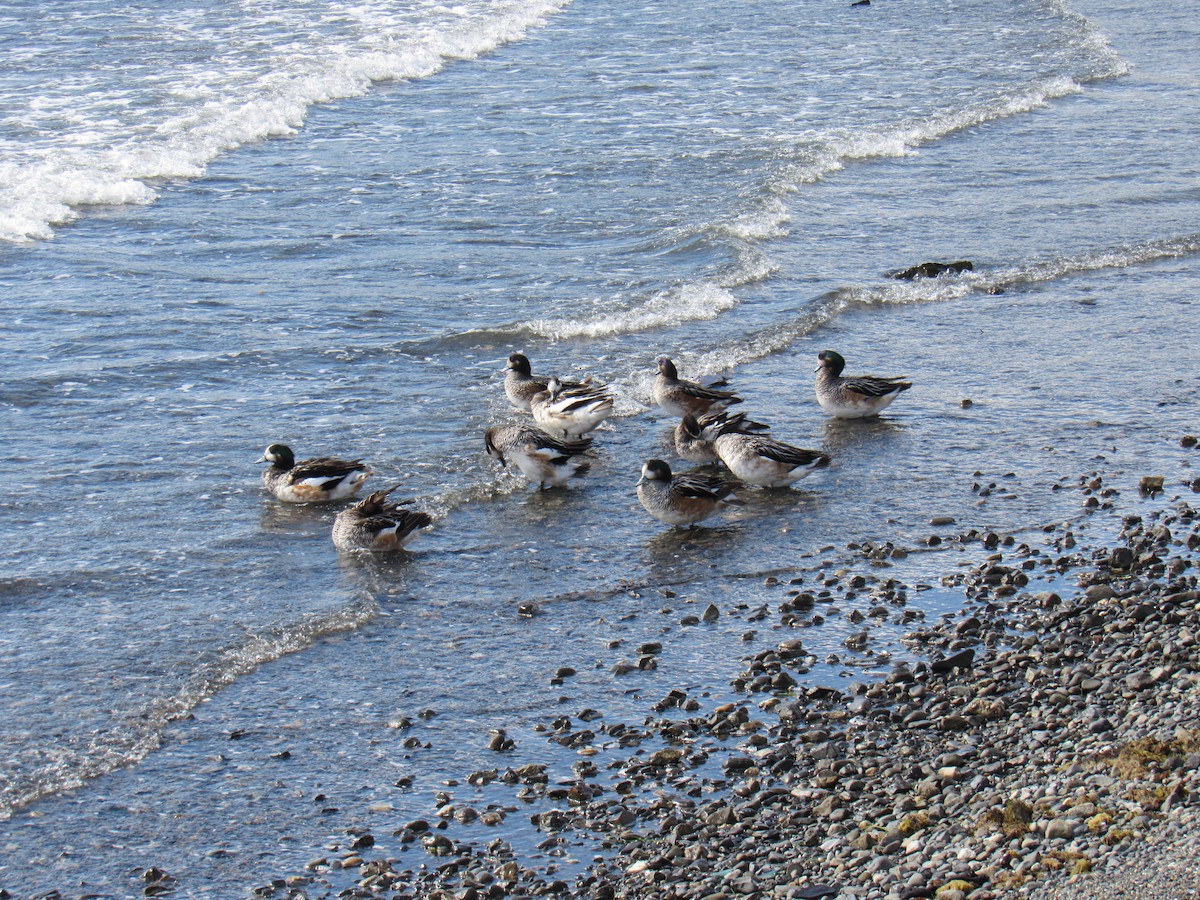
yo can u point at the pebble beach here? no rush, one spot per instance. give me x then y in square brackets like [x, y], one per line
[957, 658]
[1041, 743]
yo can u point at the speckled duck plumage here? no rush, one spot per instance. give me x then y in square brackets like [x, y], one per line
[377, 524]
[853, 397]
[319, 480]
[544, 460]
[683, 499]
[680, 397]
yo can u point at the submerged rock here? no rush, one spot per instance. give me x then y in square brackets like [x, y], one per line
[933, 270]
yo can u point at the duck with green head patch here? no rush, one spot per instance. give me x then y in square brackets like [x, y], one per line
[853, 397]
[318, 480]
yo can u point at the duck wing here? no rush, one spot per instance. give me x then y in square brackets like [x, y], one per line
[703, 487]
[325, 470]
[787, 454]
[870, 386]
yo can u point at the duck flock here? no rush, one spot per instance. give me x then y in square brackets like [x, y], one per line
[551, 450]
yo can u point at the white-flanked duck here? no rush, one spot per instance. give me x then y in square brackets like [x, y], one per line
[546, 461]
[679, 397]
[761, 460]
[520, 384]
[853, 397]
[317, 480]
[570, 412]
[377, 524]
[682, 499]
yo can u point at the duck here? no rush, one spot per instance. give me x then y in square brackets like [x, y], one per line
[570, 412]
[683, 499]
[680, 397]
[375, 523]
[855, 397]
[694, 436]
[520, 384]
[544, 460]
[763, 461]
[319, 480]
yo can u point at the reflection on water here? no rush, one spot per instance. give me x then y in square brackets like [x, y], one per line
[297, 518]
[379, 575]
[842, 435]
[685, 554]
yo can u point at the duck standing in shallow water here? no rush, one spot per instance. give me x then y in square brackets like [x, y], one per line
[694, 436]
[570, 412]
[679, 397]
[544, 460]
[520, 384]
[761, 460]
[317, 480]
[855, 397]
[682, 499]
[376, 524]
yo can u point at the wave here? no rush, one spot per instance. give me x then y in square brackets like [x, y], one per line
[747, 232]
[44, 771]
[119, 152]
[999, 280]
[819, 155]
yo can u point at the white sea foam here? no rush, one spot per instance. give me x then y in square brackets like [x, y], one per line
[87, 144]
[820, 155]
[688, 302]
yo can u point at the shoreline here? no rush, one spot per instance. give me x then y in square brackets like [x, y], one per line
[1045, 743]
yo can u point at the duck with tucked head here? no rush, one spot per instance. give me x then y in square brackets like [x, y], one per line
[683, 499]
[694, 436]
[570, 412]
[375, 523]
[520, 384]
[853, 397]
[544, 460]
[679, 397]
[318, 480]
[763, 461]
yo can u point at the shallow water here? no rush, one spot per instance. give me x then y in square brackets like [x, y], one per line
[593, 187]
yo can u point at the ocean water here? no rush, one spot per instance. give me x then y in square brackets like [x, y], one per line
[224, 225]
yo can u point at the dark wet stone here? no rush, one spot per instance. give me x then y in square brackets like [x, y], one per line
[1121, 558]
[1150, 484]
[818, 891]
[933, 270]
[961, 660]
